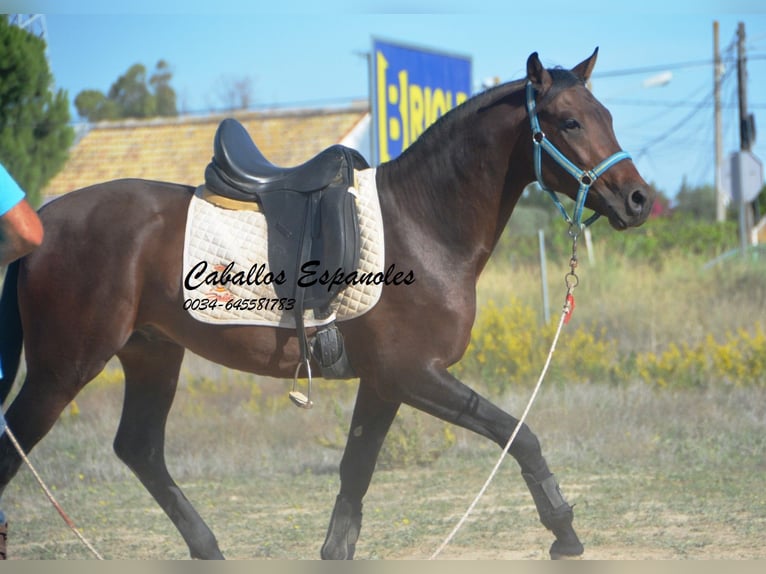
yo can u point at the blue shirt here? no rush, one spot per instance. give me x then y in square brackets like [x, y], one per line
[10, 192]
[10, 195]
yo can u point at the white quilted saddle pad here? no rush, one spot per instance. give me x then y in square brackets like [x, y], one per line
[218, 238]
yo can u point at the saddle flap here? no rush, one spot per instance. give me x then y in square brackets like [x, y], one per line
[312, 236]
[337, 245]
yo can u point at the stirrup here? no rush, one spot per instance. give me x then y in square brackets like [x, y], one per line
[297, 397]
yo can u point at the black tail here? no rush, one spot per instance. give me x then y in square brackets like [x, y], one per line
[11, 335]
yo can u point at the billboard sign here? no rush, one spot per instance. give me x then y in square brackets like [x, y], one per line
[411, 89]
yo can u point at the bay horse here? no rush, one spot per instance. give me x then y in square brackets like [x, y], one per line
[107, 282]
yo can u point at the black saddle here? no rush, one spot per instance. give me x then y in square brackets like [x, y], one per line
[310, 214]
[240, 171]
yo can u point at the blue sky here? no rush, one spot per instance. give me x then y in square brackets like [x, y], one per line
[307, 53]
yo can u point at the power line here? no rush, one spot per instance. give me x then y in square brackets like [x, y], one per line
[702, 104]
[674, 128]
[649, 69]
[669, 103]
[666, 111]
[728, 57]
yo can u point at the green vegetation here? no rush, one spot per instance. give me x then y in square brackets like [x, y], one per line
[34, 135]
[132, 95]
[649, 308]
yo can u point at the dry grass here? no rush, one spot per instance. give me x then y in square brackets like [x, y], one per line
[653, 474]
[641, 305]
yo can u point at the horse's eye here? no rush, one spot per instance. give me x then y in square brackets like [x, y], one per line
[571, 124]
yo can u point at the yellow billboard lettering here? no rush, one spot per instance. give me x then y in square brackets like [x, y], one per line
[409, 96]
[393, 94]
[382, 66]
[416, 118]
[404, 112]
[427, 97]
[394, 129]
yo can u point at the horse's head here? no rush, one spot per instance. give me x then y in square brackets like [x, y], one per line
[582, 155]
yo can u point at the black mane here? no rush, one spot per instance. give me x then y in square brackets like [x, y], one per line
[562, 80]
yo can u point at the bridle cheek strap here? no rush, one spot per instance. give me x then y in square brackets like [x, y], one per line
[586, 178]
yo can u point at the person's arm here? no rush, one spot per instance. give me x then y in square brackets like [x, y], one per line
[21, 231]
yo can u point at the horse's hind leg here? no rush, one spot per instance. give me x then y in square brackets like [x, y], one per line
[31, 415]
[369, 425]
[437, 392]
[45, 393]
[152, 367]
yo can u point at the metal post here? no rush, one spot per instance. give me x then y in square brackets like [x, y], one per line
[589, 246]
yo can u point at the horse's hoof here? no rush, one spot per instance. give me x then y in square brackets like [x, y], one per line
[561, 551]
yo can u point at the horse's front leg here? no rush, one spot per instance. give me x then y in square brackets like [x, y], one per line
[369, 425]
[437, 392]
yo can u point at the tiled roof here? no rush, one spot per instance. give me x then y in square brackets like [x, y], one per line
[178, 149]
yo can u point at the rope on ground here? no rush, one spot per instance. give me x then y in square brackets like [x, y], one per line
[566, 313]
[47, 492]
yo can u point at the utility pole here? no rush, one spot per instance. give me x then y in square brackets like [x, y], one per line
[720, 202]
[746, 133]
[745, 125]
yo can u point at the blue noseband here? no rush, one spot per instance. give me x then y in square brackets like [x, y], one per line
[586, 178]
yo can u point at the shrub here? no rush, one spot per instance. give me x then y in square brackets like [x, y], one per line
[509, 347]
[739, 360]
[653, 242]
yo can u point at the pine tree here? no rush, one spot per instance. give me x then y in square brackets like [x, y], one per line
[34, 131]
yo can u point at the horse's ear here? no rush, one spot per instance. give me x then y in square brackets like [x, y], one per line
[584, 69]
[537, 74]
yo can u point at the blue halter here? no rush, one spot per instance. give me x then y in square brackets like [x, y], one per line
[585, 178]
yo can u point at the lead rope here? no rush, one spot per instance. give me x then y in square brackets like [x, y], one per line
[47, 492]
[571, 280]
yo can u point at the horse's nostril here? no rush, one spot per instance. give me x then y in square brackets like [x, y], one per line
[637, 200]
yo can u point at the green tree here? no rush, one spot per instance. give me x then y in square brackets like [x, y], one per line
[132, 95]
[96, 106]
[699, 202]
[164, 95]
[34, 131]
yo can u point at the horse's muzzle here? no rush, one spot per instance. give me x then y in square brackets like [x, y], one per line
[639, 202]
[633, 210]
